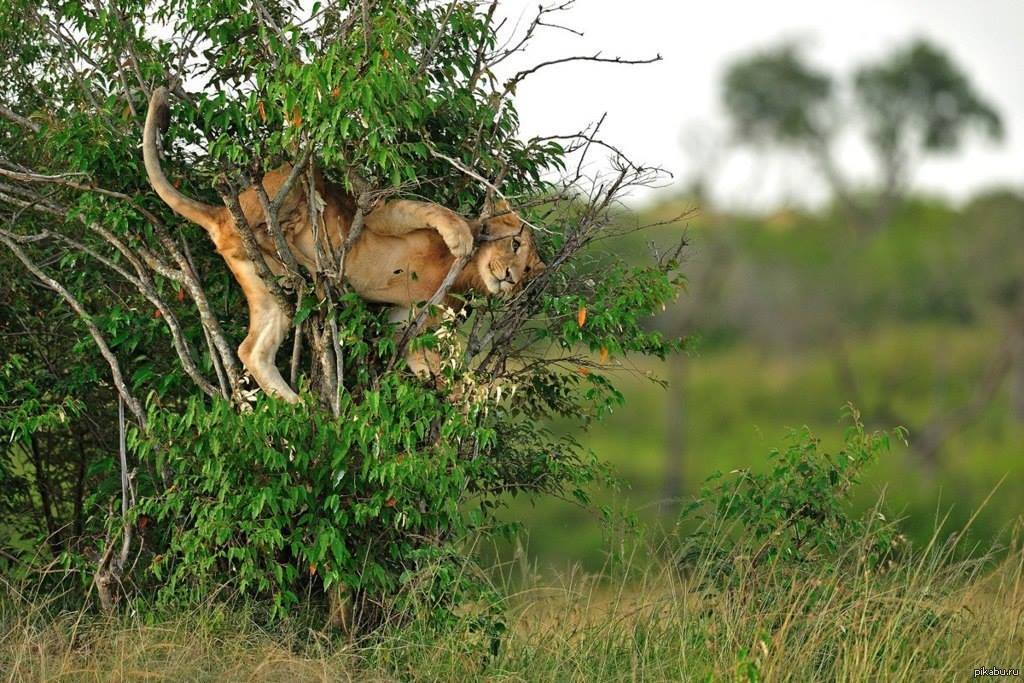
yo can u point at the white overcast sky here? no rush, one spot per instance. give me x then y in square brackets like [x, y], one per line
[653, 110]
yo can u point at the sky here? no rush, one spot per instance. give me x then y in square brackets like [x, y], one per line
[669, 113]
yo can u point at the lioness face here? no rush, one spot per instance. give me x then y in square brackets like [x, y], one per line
[509, 258]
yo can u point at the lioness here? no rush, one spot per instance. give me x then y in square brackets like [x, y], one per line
[403, 254]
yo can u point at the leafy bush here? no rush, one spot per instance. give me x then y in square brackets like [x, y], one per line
[262, 501]
[373, 482]
[796, 513]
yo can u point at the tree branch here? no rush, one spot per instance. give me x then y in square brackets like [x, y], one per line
[94, 332]
[252, 249]
[511, 83]
[14, 117]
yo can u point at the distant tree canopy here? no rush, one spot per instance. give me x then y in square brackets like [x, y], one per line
[775, 97]
[920, 90]
[913, 102]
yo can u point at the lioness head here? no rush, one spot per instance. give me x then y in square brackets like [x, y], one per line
[508, 257]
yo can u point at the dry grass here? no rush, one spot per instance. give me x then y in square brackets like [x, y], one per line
[930, 619]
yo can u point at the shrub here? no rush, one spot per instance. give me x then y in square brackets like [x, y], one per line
[376, 478]
[797, 513]
[262, 501]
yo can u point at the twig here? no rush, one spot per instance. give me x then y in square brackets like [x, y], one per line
[488, 185]
[364, 6]
[439, 296]
[478, 63]
[428, 54]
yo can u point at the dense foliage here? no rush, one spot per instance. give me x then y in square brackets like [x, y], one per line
[826, 610]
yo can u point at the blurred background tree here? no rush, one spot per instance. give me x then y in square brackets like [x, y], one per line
[912, 102]
[917, 101]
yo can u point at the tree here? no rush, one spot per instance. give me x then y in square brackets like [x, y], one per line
[917, 101]
[774, 98]
[913, 102]
[372, 481]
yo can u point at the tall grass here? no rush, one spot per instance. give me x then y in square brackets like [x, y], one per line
[935, 615]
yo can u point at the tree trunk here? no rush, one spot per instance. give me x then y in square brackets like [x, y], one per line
[1017, 379]
[675, 433]
[45, 499]
[941, 428]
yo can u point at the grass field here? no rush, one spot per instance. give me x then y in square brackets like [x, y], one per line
[587, 601]
[932, 617]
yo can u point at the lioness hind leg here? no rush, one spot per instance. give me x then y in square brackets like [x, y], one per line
[268, 326]
[267, 329]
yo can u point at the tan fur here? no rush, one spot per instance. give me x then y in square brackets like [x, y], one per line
[403, 254]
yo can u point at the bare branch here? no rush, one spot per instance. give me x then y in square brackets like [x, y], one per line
[14, 117]
[271, 208]
[505, 51]
[511, 83]
[252, 249]
[145, 286]
[488, 185]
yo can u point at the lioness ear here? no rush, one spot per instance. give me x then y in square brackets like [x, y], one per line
[492, 207]
[536, 265]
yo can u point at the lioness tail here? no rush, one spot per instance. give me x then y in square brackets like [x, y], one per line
[197, 212]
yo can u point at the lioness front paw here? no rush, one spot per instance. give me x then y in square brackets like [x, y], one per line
[458, 238]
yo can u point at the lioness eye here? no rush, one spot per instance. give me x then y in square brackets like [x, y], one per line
[515, 245]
